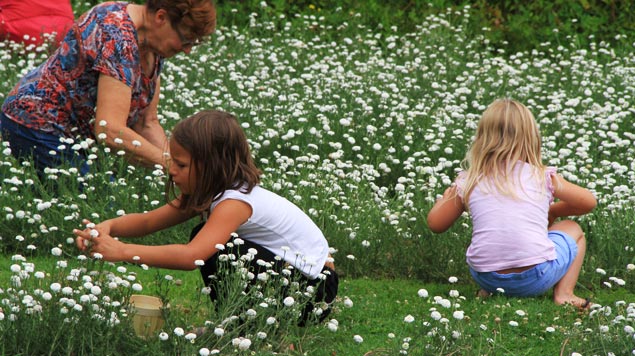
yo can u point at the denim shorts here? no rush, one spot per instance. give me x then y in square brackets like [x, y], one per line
[537, 280]
[27, 143]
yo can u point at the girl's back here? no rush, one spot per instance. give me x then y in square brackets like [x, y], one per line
[510, 229]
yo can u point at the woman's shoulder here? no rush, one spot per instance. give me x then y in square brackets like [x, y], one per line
[103, 30]
[550, 173]
[110, 6]
[107, 13]
[461, 176]
[551, 170]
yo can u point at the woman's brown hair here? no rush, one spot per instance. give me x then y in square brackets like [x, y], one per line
[220, 157]
[197, 16]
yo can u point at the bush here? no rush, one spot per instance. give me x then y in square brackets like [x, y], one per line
[515, 25]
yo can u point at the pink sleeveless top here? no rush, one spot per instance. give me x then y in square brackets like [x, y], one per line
[510, 231]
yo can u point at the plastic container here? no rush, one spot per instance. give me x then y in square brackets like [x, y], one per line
[147, 315]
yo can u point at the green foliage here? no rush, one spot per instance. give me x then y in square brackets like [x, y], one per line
[46, 315]
[521, 25]
[85, 306]
[514, 25]
[409, 317]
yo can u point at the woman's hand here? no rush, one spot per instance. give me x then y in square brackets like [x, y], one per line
[111, 115]
[149, 126]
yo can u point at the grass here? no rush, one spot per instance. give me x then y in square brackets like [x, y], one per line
[393, 316]
[382, 305]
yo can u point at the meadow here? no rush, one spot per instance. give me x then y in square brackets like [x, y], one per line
[363, 129]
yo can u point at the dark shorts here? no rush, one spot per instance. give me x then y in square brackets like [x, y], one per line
[45, 149]
[534, 281]
[325, 288]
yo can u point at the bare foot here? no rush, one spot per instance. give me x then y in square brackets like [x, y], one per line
[482, 293]
[580, 303]
[199, 331]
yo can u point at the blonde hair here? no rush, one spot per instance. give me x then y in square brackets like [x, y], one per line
[507, 133]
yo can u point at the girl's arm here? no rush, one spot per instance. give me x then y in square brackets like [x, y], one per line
[226, 217]
[573, 199]
[445, 211]
[141, 224]
[113, 108]
[134, 225]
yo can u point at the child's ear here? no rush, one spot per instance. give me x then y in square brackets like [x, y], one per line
[161, 17]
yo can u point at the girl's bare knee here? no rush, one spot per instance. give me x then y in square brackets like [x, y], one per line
[569, 227]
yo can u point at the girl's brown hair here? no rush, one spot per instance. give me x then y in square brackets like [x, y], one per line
[197, 16]
[220, 157]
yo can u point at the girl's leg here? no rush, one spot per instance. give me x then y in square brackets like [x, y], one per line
[210, 266]
[563, 291]
[210, 269]
[325, 290]
[482, 293]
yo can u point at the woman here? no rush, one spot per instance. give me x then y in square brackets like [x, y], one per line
[103, 83]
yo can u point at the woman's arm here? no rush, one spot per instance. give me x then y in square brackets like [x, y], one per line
[113, 108]
[226, 217]
[149, 126]
[572, 199]
[445, 211]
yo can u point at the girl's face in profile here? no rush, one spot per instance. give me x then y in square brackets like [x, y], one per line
[180, 167]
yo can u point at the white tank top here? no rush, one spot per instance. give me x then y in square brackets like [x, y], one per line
[282, 228]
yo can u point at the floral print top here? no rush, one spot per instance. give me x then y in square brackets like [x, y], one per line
[59, 96]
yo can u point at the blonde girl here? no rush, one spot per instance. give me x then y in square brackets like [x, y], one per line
[212, 166]
[516, 247]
